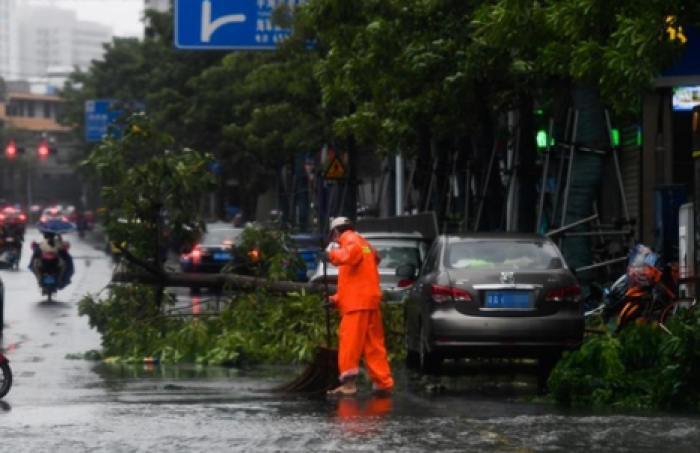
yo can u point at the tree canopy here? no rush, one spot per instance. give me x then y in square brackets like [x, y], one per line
[393, 75]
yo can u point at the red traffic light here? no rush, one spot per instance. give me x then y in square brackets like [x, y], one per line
[11, 149]
[43, 150]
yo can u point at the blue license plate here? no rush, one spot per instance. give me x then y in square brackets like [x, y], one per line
[222, 256]
[49, 280]
[509, 300]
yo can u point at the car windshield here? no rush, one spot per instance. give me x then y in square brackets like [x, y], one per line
[503, 254]
[219, 237]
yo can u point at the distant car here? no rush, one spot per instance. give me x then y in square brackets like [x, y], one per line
[212, 253]
[395, 249]
[14, 220]
[491, 295]
[53, 213]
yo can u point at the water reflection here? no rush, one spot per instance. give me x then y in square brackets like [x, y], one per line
[362, 418]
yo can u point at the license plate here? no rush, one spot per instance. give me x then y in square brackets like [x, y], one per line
[49, 280]
[222, 256]
[509, 300]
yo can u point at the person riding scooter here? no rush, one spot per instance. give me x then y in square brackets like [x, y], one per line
[52, 255]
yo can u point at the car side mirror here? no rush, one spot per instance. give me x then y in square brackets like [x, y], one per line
[406, 271]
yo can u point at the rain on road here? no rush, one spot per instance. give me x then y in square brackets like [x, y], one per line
[61, 405]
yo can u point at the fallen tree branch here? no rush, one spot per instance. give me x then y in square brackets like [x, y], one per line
[215, 281]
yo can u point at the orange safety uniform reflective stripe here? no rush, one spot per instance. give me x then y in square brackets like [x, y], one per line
[358, 276]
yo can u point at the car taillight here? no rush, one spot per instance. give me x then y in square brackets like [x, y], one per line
[446, 294]
[22, 217]
[405, 283]
[570, 294]
[196, 254]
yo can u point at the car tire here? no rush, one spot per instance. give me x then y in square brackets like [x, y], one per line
[428, 362]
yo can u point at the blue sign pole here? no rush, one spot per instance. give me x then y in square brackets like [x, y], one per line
[228, 25]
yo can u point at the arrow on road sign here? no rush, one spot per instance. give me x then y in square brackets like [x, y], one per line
[209, 27]
[336, 170]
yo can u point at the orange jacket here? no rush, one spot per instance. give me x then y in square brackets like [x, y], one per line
[358, 276]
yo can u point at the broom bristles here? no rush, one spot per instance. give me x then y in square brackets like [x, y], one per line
[319, 376]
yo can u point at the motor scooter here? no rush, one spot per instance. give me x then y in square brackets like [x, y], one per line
[5, 376]
[48, 280]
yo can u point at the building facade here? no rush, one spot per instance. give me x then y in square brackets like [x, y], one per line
[50, 37]
[29, 120]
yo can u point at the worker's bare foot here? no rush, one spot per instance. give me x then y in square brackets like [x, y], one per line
[343, 390]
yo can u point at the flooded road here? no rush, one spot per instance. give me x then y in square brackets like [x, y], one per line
[61, 405]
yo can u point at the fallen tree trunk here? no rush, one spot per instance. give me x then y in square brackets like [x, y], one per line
[215, 281]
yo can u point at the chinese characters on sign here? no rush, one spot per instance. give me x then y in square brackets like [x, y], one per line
[265, 31]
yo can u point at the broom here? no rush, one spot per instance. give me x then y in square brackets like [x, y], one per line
[322, 373]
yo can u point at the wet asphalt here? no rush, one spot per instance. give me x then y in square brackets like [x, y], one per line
[63, 405]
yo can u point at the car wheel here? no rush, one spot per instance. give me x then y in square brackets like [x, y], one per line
[429, 362]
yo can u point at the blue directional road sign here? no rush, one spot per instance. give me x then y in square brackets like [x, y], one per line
[228, 25]
[99, 115]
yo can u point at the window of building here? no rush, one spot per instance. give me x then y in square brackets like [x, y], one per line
[47, 110]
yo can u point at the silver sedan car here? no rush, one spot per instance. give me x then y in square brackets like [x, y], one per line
[491, 295]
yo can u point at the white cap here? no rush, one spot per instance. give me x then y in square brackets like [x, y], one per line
[339, 221]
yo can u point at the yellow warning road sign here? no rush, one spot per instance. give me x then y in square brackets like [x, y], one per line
[336, 170]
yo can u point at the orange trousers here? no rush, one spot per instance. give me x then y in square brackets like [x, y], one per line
[362, 335]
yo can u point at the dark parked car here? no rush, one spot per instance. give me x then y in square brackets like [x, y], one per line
[491, 295]
[213, 251]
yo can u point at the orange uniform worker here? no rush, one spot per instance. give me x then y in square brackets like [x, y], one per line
[361, 332]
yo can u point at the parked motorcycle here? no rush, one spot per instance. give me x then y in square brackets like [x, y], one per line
[5, 376]
[641, 294]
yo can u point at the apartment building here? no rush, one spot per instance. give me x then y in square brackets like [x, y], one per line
[8, 42]
[50, 37]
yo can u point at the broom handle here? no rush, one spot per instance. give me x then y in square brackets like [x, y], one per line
[328, 310]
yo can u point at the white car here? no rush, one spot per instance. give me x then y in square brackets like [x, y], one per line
[395, 249]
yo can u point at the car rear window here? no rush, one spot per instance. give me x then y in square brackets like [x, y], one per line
[396, 253]
[503, 254]
[218, 237]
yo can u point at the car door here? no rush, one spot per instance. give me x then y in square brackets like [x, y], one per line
[421, 289]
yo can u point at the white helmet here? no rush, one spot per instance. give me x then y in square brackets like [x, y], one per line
[340, 221]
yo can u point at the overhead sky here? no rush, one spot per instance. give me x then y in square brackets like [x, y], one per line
[124, 16]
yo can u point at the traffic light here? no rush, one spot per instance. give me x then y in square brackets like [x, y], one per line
[11, 150]
[44, 150]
